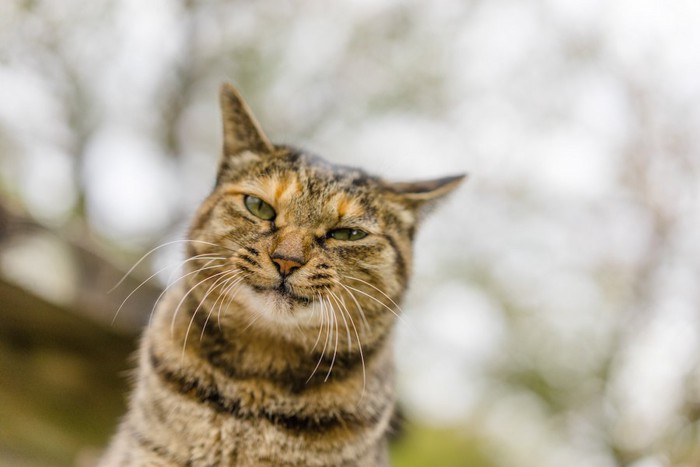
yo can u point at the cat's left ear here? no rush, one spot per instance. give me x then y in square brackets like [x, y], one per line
[242, 131]
[421, 196]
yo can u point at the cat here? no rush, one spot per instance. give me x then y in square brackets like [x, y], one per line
[275, 347]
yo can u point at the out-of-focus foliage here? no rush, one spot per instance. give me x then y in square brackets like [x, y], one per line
[446, 446]
[555, 308]
[62, 382]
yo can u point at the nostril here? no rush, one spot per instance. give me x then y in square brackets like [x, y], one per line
[285, 266]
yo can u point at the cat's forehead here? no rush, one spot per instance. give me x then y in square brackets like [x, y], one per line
[297, 182]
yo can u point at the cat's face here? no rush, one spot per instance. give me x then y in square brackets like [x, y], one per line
[295, 242]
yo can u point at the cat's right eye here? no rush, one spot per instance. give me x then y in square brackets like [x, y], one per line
[347, 234]
[259, 208]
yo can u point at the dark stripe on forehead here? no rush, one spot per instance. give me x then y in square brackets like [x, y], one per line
[208, 394]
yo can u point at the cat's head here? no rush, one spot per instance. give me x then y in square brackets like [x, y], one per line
[294, 242]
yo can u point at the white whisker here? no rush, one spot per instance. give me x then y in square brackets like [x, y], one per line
[365, 323]
[335, 347]
[203, 268]
[320, 328]
[325, 343]
[255, 319]
[359, 346]
[378, 301]
[230, 284]
[398, 308]
[342, 315]
[231, 296]
[158, 248]
[116, 313]
[184, 297]
[217, 283]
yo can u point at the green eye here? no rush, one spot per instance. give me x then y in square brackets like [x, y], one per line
[259, 208]
[347, 234]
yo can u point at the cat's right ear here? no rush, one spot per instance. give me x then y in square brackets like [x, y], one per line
[241, 130]
[422, 196]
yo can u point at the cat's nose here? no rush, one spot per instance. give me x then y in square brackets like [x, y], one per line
[286, 265]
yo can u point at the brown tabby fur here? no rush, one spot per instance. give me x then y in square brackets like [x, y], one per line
[243, 366]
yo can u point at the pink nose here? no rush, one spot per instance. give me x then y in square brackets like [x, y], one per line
[286, 265]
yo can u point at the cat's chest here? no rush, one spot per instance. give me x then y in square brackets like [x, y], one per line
[223, 413]
[207, 427]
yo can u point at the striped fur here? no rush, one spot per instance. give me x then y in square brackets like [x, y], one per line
[246, 364]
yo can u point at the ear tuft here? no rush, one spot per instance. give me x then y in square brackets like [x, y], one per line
[241, 130]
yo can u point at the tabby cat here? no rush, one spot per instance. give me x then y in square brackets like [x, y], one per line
[275, 348]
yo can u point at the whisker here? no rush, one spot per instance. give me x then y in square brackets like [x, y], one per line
[320, 328]
[231, 296]
[359, 347]
[335, 347]
[378, 290]
[203, 256]
[116, 313]
[257, 317]
[145, 255]
[357, 304]
[225, 280]
[230, 284]
[184, 297]
[203, 268]
[325, 343]
[217, 283]
[342, 315]
[378, 301]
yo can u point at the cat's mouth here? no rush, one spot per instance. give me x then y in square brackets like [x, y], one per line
[283, 290]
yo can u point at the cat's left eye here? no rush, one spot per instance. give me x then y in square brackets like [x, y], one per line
[259, 208]
[347, 234]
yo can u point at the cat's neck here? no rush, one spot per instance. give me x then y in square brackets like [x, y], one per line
[243, 351]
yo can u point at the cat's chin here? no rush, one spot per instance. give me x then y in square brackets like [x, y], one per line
[275, 307]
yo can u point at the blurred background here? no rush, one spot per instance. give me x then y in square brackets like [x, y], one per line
[554, 314]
